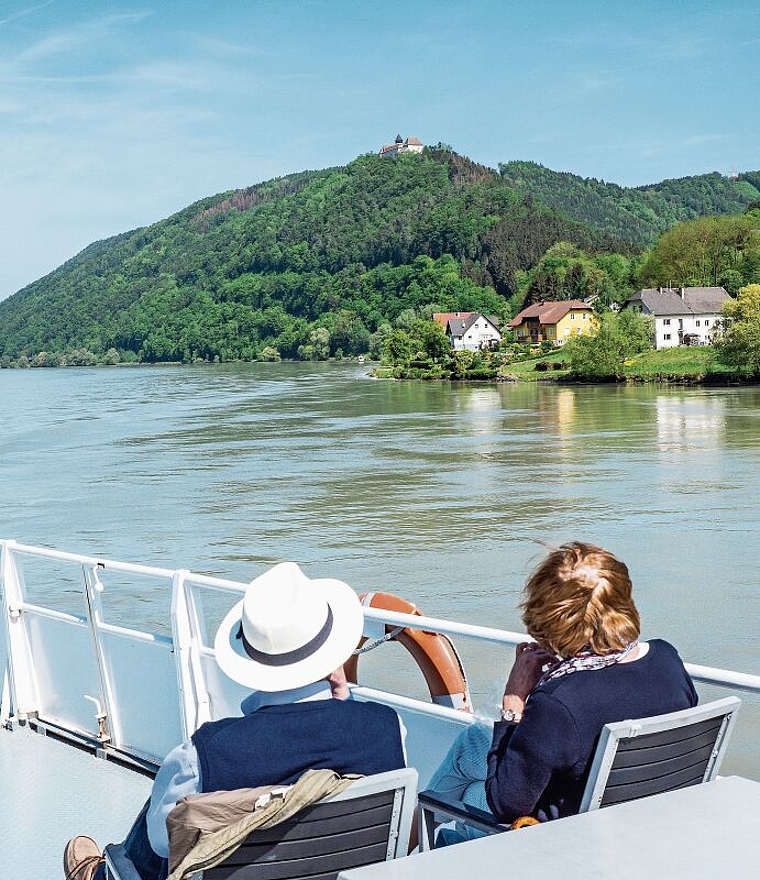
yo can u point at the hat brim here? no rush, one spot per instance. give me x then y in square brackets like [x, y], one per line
[344, 636]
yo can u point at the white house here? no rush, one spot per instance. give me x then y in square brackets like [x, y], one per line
[410, 145]
[682, 316]
[469, 331]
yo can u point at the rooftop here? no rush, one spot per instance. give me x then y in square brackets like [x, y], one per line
[549, 312]
[681, 300]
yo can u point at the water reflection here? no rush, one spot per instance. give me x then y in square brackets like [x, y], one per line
[684, 424]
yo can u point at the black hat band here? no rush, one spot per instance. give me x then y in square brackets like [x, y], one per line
[288, 657]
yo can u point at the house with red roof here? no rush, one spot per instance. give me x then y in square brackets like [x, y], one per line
[554, 321]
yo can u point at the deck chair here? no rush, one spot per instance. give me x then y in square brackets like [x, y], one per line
[368, 822]
[633, 759]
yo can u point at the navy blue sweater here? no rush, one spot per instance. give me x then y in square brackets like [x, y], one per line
[276, 744]
[539, 767]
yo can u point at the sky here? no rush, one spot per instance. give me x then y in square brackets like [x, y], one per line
[114, 115]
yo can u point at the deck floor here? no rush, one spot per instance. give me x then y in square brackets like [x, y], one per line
[49, 792]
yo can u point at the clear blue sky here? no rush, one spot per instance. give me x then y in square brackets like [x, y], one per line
[116, 114]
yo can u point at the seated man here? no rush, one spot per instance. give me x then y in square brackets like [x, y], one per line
[287, 639]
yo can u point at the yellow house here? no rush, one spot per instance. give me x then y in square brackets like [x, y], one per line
[553, 322]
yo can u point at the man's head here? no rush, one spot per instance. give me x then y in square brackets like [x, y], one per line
[288, 630]
[579, 597]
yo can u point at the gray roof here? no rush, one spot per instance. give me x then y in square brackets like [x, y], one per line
[459, 326]
[669, 301]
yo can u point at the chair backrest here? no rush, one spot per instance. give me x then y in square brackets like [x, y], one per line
[652, 755]
[368, 822]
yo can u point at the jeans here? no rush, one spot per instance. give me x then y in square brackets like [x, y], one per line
[138, 849]
[462, 775]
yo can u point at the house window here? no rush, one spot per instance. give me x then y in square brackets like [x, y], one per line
[698, 322]
[707, 322]
[584, 316]
[572, 316]
[667, 321]
[666, 336]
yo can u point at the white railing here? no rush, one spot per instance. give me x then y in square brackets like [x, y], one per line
[140, 694]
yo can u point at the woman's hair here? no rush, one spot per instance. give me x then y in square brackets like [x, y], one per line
[579, 598]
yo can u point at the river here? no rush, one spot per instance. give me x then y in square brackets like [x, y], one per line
[436, 492]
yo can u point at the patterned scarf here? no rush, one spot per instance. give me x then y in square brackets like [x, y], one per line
[583, 661]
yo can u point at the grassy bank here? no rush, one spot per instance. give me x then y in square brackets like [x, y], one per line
[681, 366]
[686, 364]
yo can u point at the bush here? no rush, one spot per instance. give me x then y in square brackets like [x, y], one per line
[270, 354]
[481, 374]
[542, 366]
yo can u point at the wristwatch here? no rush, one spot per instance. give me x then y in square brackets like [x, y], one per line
[510, 715]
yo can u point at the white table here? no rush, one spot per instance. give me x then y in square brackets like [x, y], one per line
[710, 830]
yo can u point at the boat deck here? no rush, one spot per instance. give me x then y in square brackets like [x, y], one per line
[49, 792]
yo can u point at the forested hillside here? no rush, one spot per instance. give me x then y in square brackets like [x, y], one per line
[344, 250]
[635, 215]
[323, 262]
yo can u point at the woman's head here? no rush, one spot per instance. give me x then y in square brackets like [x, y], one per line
[580, 597]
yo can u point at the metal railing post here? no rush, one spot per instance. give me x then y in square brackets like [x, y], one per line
[193, 695]
[106, 714]
[23, 680]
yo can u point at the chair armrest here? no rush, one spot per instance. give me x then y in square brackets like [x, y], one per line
[443, 805]
[118, 865]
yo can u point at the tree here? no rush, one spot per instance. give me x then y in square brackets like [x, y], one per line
[708, 251]
[377, 340]
[319, 340]
[398, 347]
[406, 319]
[738, 346]
[433, 339]
[602, 355]
[348, 333]
[270, 353]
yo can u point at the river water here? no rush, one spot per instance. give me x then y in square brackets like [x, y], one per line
[436, 492]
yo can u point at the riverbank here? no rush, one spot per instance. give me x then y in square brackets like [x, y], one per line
[675, 366]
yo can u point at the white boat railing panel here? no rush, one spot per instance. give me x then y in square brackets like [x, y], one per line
[140, 694]
[147, 723]
[64, 670]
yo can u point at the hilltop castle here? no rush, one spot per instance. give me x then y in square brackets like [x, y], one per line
[410, 145]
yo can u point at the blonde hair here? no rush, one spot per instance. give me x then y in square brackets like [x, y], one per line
[580, 597]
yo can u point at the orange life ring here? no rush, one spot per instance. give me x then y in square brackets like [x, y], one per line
[434, 653]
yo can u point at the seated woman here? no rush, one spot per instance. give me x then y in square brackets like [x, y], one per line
[585, 669]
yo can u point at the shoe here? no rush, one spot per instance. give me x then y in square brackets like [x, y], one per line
[81, 858]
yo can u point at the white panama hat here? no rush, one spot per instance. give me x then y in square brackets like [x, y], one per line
[288, 630]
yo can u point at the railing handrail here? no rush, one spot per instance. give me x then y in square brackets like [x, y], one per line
[706, 674]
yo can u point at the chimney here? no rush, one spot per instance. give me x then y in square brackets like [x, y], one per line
[660, 289]
[682, 291]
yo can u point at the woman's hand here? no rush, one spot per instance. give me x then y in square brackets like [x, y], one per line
[530, 658]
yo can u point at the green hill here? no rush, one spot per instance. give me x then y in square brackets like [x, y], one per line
[635, 215]
[257, 272]
[344, 249]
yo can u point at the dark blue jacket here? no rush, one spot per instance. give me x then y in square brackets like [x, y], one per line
[539, 767]
[276, 744]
